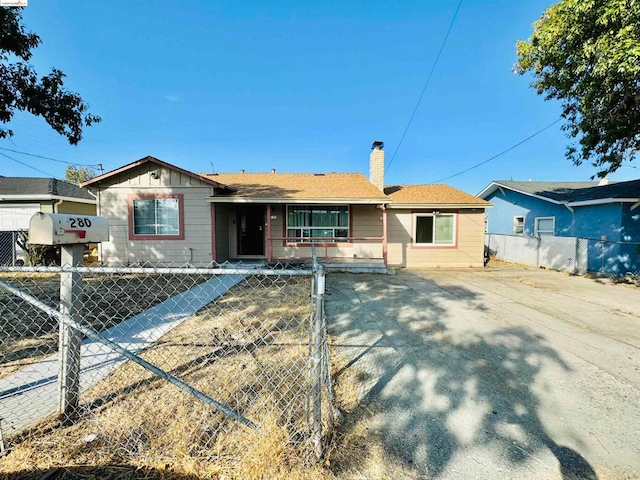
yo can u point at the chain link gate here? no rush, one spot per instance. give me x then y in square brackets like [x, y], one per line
[168, 364]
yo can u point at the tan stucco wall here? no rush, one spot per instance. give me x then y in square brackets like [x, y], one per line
[113, 204]
[77, 208]
[365, 222]
[468, 251]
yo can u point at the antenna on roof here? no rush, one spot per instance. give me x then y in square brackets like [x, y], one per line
[213, 170]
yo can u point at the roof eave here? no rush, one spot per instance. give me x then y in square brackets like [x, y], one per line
[602, 201]
[495, 186]
[148, 159]
[45, 198]
[441, 205]
[308, 200]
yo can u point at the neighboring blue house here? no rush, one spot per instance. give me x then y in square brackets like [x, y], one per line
[608, 214]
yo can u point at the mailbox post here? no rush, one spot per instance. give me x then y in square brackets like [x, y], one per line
[71, 232]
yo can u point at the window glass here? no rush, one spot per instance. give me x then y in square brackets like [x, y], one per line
[424, 229]
[434, 229]
[545, 226]
[330, 222]
[444, 229]
[518, 225]
[156, 216]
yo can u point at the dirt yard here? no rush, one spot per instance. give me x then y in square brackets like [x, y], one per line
[503, 372]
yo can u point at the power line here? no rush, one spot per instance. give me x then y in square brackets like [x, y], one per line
[28, 166]
[50, 158]
[433, 67]
[499, 154]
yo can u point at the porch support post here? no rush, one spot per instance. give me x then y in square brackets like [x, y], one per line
[268, 232]
[384, 235]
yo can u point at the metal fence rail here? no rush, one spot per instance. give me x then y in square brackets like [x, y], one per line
[164, 363]
[572, 254]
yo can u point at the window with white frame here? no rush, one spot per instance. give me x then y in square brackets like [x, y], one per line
[545, 226]
[433, 229]
[518, 225]
[305, 222]
[156, 216]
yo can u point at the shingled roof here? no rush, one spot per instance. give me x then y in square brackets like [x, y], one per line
[436, 195]
[353, 187]
[38, 187]
[570, 192]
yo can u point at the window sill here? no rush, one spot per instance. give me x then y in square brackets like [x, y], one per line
[157, 237]
[432, 246]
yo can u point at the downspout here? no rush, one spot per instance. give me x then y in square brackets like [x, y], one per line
[384, 235]
[56, 205]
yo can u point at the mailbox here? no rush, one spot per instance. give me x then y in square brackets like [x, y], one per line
[59, 229]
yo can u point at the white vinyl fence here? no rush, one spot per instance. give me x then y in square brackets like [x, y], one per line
[568, 254]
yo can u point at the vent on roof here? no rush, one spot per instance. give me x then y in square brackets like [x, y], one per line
[273, 170]
[319, 174]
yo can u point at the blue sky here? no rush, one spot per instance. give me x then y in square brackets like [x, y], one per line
[297, 86]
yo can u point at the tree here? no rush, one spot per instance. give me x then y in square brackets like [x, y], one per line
[22, 90]
[586, 53]
[79, 175]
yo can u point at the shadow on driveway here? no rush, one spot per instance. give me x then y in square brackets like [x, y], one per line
[448, 393]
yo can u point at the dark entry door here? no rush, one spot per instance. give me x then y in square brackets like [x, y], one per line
[250, 223]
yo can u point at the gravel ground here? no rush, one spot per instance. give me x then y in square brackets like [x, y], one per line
[503, 372]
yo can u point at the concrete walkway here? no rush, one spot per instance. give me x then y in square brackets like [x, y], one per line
[496, 373]
[31, 394]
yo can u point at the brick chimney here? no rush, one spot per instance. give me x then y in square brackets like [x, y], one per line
[376, 165]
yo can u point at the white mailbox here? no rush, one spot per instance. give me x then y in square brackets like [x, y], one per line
[59, 229]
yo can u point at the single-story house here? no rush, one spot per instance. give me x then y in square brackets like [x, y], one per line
[159, 212]
[21, 197]
[607, 214]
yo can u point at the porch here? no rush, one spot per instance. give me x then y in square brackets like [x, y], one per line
[346, 237]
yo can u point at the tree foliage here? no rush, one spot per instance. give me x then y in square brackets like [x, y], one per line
[79, 175]
[586, 53]
[22, 90]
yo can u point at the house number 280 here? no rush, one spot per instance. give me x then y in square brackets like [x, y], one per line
[80, 222]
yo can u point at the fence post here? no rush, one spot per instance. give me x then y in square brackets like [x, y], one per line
[69, 338]
[317, 362]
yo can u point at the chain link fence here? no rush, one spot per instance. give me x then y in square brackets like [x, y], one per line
[205, 367]
[572, 254]
[12, 243]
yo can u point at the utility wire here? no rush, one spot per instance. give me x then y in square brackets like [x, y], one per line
[52, 159]
[27, 165]
[433, 67]
[499, 154]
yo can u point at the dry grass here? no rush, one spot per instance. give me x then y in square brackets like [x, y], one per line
[247, 350]
[27, 335]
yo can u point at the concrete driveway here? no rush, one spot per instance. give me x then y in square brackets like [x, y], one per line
[503, 372]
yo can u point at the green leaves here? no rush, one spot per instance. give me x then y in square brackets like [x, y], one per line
[586, 53]
[22, 90]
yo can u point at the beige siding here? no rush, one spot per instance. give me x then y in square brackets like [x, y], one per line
[468, 251]
[365, 222]
[113, 204]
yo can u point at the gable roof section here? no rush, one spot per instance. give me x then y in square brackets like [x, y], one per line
[299, 188]
[437, 195]
[37, 188]
[571, 193]
[150, 159]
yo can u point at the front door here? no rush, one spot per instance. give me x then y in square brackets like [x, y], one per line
[250, 221]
